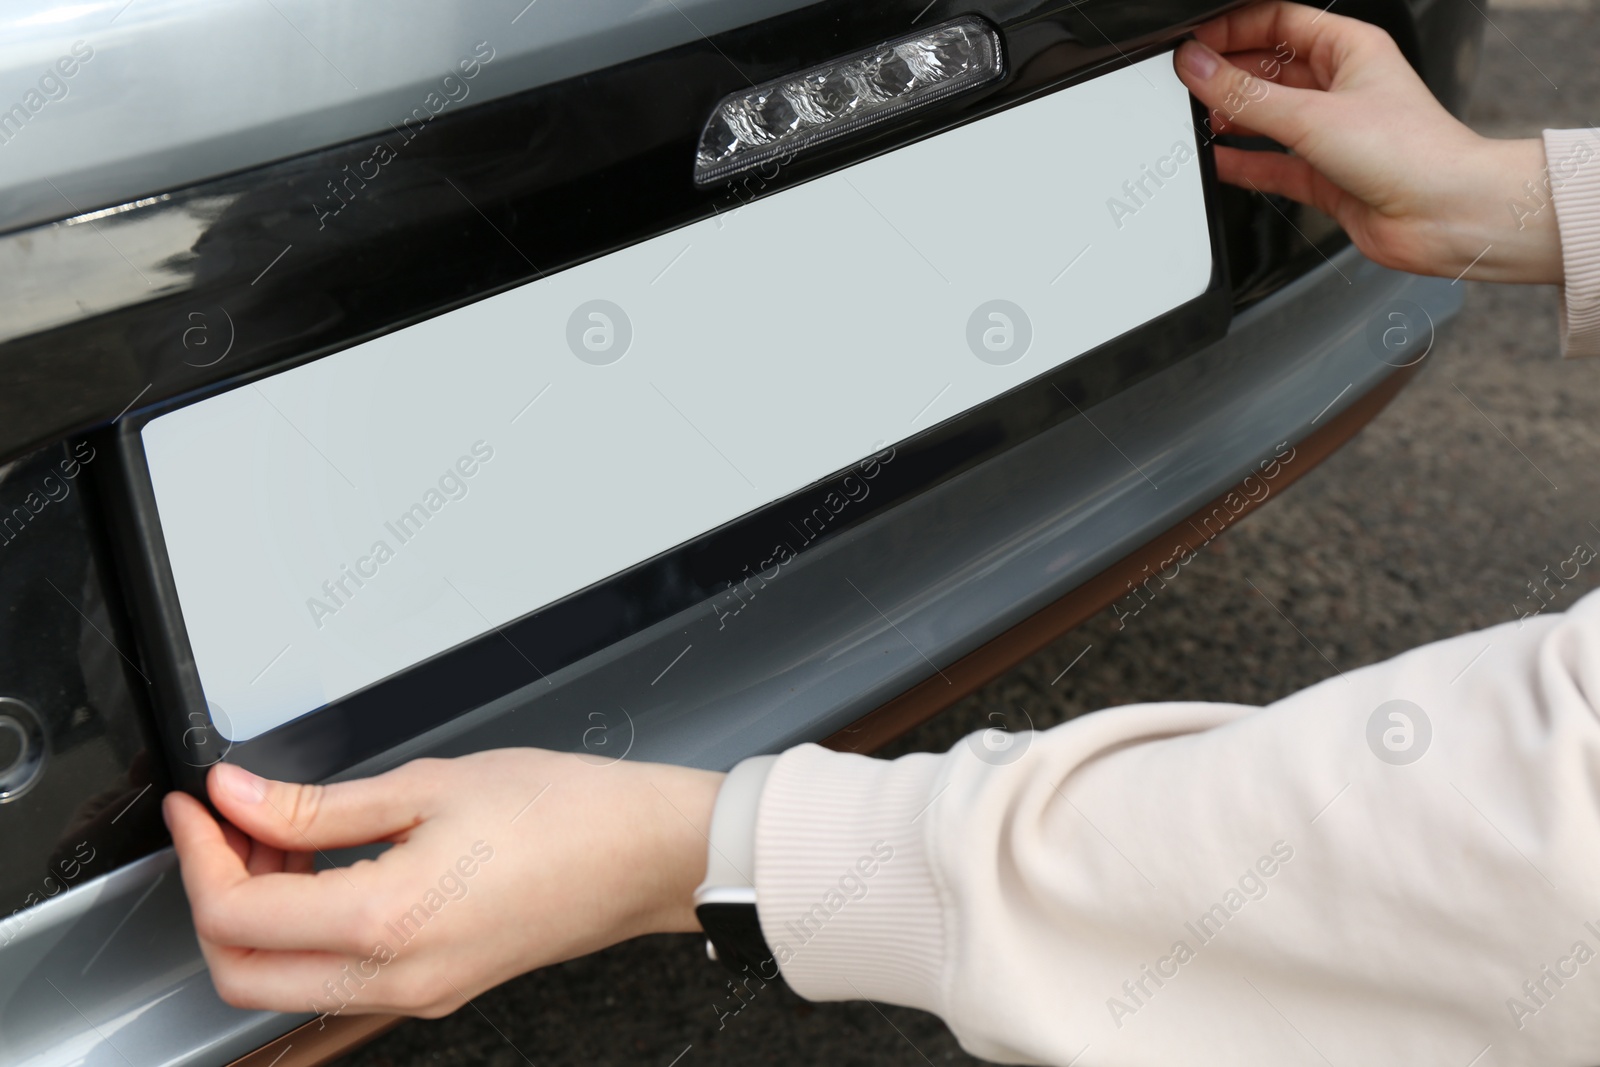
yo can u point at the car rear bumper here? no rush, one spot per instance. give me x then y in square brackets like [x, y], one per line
[849, 627]
[863, 618]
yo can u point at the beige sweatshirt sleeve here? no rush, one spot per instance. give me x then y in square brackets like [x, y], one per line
[1572, 160]
[1400, 865]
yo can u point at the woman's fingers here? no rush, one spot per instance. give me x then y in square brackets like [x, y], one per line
[1281, 67]
[1323, 41]
[1220, 125]
[372, 981]
[1267, 172]
[238, 841]
[283, 981]
[1280, 175]
[1232, 96]
[202, 843]
[380, 979]
[327, 911]
[305, 818]
[264, 859]
[1371, 145]
[464, 901]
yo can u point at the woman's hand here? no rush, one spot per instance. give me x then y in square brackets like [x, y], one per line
[502, 862]
[1414, 188]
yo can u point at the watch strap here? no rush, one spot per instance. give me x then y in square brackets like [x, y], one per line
[725, 903]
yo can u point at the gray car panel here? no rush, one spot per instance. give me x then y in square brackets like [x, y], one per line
[176, 91]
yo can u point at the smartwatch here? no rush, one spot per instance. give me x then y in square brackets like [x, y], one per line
[725, 903]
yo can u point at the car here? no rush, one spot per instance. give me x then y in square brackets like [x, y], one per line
[673, 382]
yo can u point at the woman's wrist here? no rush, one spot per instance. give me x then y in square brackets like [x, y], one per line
[1504, 229]
[672, 857]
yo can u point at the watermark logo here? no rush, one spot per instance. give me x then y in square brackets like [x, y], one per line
[1543, 593]
[51, 489]
[599, 332]
[1401, 334]
[607, 739]
[1251, 90]
[52, 85]
[206, 740]
[453, 884]
[1546, 985]
[352, 180]
[850, 490]
[1554, 176]
[1252, 491]
[64, 870]
[1005, 740]
[851, 885]
[1148, 182]
[205, 343]
[1251, 886]
[339, 590]
[1399, 732]
[999, 332]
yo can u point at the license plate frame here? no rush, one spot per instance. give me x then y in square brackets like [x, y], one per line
[321, 739]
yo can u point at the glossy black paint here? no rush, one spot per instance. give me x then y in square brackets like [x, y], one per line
[64, 653]
[474, 202]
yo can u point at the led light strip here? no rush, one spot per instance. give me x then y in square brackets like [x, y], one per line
[782, 117]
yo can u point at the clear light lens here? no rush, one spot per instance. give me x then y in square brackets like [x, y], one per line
[781, 117]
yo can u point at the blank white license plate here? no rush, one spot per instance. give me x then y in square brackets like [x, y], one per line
[334, 524]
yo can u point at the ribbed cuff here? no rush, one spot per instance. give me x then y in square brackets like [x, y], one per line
[1573, 160]
[846, 890]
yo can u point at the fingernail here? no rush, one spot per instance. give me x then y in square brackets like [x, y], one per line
[1198, 60]
[240, 784]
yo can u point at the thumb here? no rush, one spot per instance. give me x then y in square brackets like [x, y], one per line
[301, 818]
[1235, 98]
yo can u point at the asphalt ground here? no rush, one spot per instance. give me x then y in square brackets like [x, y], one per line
[1482, 473]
